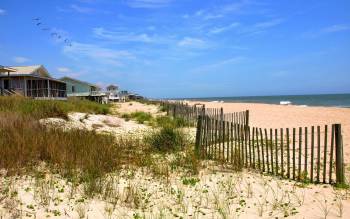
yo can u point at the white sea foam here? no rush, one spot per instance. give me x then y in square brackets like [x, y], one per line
[285, 102]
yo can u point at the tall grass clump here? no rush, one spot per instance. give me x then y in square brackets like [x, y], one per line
[167, 121]
[49, 108]
[167, 136]
[167, 139]
[25, 143]
[140, 117]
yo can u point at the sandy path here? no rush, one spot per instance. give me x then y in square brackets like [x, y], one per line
[277, 116]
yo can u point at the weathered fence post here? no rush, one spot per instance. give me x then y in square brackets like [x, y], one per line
[198, 136]
[247, 117]
[221, 114]
[339, 159]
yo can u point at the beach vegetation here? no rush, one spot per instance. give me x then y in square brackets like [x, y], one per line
[167, 139]
[39, 109]
[167, 121]
[140, 117]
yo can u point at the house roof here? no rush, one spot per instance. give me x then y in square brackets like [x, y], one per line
[112, 86]
[38, 70]
[6, 69]
[78, 81]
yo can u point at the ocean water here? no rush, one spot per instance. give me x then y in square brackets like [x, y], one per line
[331, 100]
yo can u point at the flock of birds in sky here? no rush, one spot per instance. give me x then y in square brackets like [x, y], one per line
[54, 34]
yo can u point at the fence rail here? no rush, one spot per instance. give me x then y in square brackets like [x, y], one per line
[191, 113]
[308, 154]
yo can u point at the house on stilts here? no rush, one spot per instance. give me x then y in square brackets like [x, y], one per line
[31, 81]
[83, 89]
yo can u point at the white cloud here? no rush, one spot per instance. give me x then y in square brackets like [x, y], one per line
[97, 53]
[191, 42]
[218, 30]
[268, 24]
[2, 12]
[213, 16]
[326, 30]
[211, 67]
[335, 28]
[148, 3]
[80, 9]
[260, 27]
[223, 10]
[64, 69]
[20, 59]
[199, 13]
[121, 36]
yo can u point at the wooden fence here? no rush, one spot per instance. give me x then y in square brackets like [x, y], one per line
[309, 154]
[190, 113]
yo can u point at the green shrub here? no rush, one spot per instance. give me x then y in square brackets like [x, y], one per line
[190, 181]
[181, 122]
[126, 116]
[164, 108]
[167, 139]
[140, 117]
[166, 121]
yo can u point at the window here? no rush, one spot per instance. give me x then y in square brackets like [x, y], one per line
[73, 89]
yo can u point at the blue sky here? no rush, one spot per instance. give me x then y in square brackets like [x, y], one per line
[185, 48]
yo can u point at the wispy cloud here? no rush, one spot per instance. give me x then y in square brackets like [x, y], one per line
[2, 12]
[214, 66]
[268, 24]
[222, 10]
[192, 42]
[326, 30]
[64, 69]
[221, 29]
[119, 36]
[20, 59]
[97, 53]
[335, 28]
[148, 3]
[81, 9]
[260, 27]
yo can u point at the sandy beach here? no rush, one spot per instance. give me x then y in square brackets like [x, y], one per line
[278, 116]
[157, 191]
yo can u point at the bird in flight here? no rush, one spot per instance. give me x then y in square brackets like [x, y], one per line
[39, 21]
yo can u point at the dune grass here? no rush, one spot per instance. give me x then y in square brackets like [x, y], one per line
[85, 156]
[25, 143]
[140, 117]
[49, 108]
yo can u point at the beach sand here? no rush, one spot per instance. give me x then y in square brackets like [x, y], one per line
[278, 116]
[216, 192]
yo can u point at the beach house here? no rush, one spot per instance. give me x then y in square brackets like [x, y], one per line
[31, 81]
[80, 88]
[113, 93]
[86, 90]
